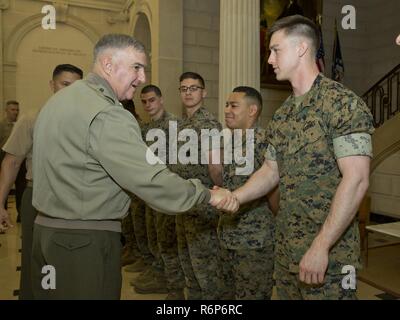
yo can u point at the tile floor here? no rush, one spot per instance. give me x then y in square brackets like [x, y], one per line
[10, 262]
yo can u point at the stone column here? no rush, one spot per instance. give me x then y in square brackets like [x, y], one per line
[239, 56]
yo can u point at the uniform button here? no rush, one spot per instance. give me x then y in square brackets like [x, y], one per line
[101, 89]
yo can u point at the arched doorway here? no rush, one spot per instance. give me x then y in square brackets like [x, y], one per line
[39, 52]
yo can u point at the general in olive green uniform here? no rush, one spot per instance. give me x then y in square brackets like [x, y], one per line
[247, 237]
[88, 150]
[307, 135]
[198, 244]
[161, 229]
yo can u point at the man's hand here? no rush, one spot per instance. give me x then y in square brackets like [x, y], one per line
[314, 263]
[5, 221]
[224, 200]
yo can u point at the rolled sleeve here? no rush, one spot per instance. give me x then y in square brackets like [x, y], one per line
[356, 144]
[21, 139]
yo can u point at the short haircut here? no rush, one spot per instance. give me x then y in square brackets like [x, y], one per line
[11, 102]
[253, 96]
[67, 68]
[151, 88]
[117, 41]
[298, 25]
[192, 75]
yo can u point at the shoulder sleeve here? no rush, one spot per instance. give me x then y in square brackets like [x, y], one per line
[350, 115]
[116, 143]
[21, 139]
[354, 144]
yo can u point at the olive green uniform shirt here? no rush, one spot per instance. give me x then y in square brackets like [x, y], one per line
[21, 140]
[88, 155]
[5, 131]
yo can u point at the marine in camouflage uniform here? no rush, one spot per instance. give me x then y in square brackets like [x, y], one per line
[247, 237]
[198, 244]
[307, 135]
[135, 247]
[129, 235]
[137, 211]
[161, 232]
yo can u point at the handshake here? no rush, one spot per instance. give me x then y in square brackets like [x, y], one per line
[224, 200]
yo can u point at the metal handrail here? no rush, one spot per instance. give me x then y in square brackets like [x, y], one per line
[383, 98]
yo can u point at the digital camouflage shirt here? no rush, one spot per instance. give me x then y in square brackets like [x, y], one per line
[201, 121]
[201, 124]
[253, 226]
[306, 140]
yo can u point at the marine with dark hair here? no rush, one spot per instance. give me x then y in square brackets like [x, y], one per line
[247, 237]
[66, 68]
[198, 244]
[165, 273]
